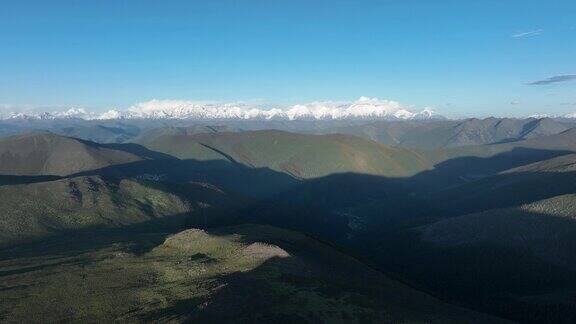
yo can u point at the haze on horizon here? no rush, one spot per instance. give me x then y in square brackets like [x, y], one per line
[512, 58]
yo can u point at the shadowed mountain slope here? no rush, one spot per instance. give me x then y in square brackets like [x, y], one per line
[502, 242]
[545, 227]
[459, 165]
[39, 210]
[246, 273]
[152, 134]
[564, 141]
[352, 202]
[515, 262]
[524, 184]
[98, 133]
[494, 130]
[231, 176]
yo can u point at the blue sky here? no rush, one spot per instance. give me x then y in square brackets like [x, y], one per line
[465, 58]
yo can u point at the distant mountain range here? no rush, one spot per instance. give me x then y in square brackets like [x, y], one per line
[454, 133]
[428, 134]
[363, 108]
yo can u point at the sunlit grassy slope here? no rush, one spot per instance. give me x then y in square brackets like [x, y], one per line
[303, 156]
[50, 154]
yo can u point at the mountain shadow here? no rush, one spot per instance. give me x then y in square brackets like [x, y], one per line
[243, 274]
[138, 150]
[459, 170]
[514, 263]
[502, 191]
[255, 182]
[14, 179]
[523, 272]
[344, 203]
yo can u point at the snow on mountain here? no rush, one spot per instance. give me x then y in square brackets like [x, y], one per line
[178, 109]
[539, 116]
[31, 116]
[374, 107]
[568, 116]
[363, 108]
[110, 114]
[426, 113]
[72, 113]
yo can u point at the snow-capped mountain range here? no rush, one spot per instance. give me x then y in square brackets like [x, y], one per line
[363, 108]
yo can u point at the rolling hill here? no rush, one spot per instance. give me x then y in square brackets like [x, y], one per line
[460, 165]
[512, 187]
[97, 133]
[564, 141]
[431, 135]
[153, 133]
[302, 156]
[50, 154]
[36, 211]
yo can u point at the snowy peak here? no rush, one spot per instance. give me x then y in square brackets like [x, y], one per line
[363, 108]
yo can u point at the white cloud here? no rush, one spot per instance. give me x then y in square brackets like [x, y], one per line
[555, 79]
[530, 33]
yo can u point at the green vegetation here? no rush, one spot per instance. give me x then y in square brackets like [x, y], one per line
[303, 156]
[432, 135]
[50, 154]
[241, 274]
[102, 227]
[39, 210]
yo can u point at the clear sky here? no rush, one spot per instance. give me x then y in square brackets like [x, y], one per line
[462, 57]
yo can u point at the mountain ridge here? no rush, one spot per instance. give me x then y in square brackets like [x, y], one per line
[51, 154]
[363, 108]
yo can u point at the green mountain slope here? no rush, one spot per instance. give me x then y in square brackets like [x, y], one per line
[460, 165]
[303, 156]
[564, 141]
[239, 274]
[50, 154]
[430, 135]
[178, 145]
[98, 133]
[40, 210]
[153, 133]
